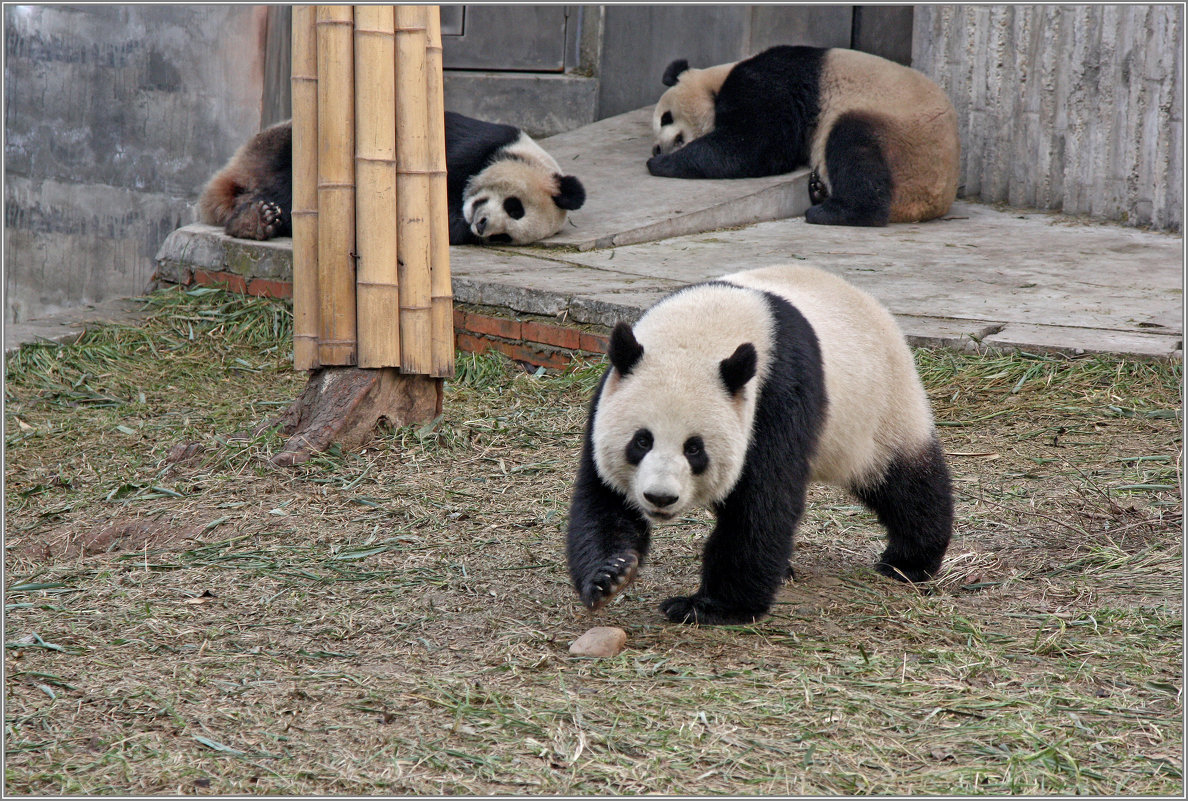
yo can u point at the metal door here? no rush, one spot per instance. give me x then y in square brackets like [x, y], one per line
[509, 38]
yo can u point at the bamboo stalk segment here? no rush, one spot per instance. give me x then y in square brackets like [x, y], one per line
[305, 188]
[413, 195]
[377, 279]
[336, 186]
[441, 314]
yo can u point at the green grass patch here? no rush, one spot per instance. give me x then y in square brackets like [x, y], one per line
[395, 619]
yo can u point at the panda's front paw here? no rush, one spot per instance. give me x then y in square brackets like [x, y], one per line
[611, 576]
[658, 166]
[901, 571]
[706, 611]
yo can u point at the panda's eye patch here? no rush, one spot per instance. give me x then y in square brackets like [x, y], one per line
[666, 118]
[696, 456]
[514, 208]
[639, 446]
[478, 204]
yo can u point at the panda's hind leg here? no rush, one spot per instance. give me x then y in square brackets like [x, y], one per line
[859, 177]
[254, 217]
[914, 502]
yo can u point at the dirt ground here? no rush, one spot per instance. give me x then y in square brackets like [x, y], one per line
[396, 619]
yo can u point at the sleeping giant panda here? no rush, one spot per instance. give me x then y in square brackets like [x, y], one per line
[880, 138]
[686, 111]
[502, 186]
[734, 394]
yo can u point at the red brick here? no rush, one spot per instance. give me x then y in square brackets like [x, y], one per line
[228, 281]
[524, 353]
[554, 335]
[471, 344]
[492, 326]
[593, 343]
[267, 288]
[459, 320]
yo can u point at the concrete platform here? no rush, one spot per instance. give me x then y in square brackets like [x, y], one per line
[980, 277]
[625, 204]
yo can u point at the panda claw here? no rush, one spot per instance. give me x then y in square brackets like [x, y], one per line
[612, 576]
[818, 192]
[258, 219]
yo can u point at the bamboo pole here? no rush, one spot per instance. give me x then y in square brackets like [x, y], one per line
[377, 280]
[336, 186]
[305, 189]
[413, 233]
[441, 313]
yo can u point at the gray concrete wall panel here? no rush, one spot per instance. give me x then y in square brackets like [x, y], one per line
[115, 116]
[1077, 108]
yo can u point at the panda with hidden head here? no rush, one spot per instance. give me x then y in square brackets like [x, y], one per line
[734, 394]
[880, 138]
[502, 186]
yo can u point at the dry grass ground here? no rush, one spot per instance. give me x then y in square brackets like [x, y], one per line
[396, 620]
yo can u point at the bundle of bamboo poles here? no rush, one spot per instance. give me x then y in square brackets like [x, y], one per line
[371, 272]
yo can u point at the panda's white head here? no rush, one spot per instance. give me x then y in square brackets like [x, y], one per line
[673, 424]
[521, 196]
[686, 110]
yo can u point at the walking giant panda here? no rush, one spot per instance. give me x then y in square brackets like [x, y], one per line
[881, 138]
[734, 394]
[502, 186]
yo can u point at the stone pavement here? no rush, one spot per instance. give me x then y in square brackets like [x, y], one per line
[979, 277]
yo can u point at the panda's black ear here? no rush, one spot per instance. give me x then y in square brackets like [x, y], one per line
[570, 193]
[624, 349]
[737, 370]
[674, 71]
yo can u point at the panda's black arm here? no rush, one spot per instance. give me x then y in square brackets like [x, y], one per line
[727, 153]
[747, 555]
[607, 539]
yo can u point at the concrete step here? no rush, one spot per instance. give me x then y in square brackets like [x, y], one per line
[979, 278]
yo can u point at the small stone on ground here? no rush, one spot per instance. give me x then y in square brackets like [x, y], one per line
[599, 641]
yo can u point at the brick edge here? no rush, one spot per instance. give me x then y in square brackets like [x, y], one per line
[540, 341]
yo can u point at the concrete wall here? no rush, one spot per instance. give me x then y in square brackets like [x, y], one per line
[1076, 108]
[639, 42]
[114, 119]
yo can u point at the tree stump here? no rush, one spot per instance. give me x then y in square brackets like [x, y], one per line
[344, 405]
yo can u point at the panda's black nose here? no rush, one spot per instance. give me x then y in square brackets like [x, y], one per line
[480, 226]
[655, 150]
[660, 500]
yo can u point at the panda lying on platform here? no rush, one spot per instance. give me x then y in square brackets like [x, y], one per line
[502, 186]
[881, 138]
[734, 394]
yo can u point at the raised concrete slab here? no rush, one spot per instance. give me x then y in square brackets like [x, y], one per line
[1003, 278]
[625, 204]
[979, 277]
